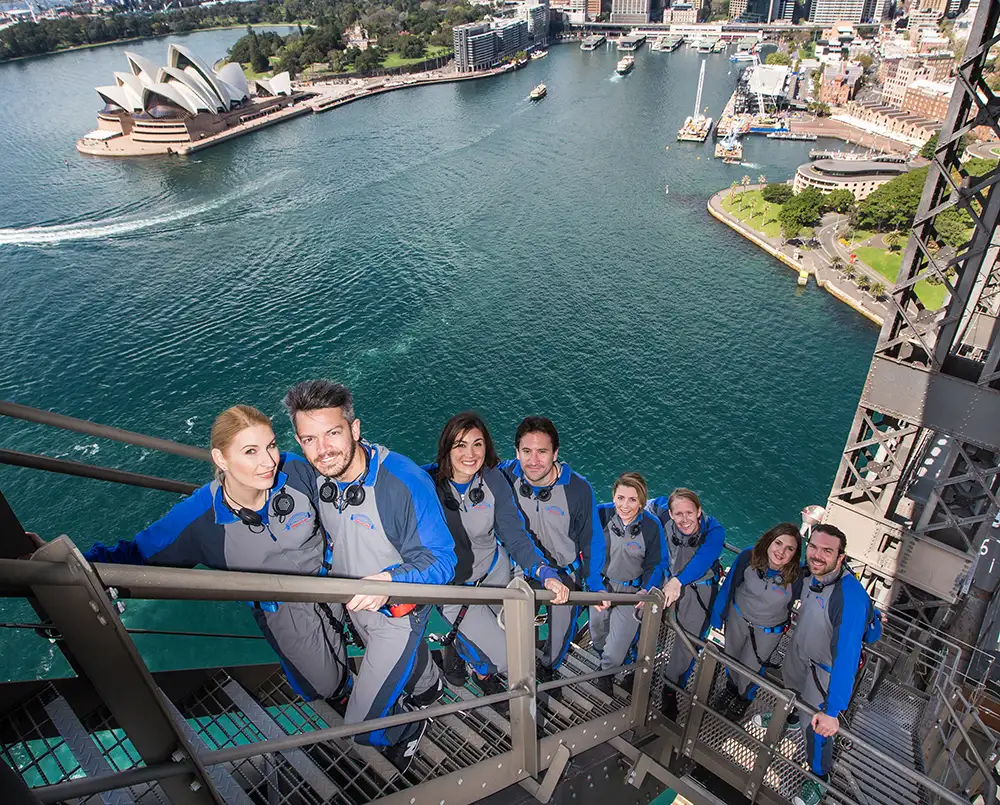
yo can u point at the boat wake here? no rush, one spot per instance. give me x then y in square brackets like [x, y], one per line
[753, 165]
[117, 226]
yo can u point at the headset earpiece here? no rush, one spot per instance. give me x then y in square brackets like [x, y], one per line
[328, 491]
[477, 495]
[354, 495]
[249, 517]
[524, 489]
[282, 504]
[544, 494]
[635, 529]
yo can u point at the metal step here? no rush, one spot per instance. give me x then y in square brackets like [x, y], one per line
[84, 750]
[296, 758]
[367, 754]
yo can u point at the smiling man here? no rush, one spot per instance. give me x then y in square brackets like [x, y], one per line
[385, 524]
[561, 511]
[822, 658]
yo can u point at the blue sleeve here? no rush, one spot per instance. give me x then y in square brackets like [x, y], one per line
[419, 531]
[659, 509]
[707, 555]
[656, 544]
[720, 611]
[874, 631]
[173, 540]
[587, 532]
[301, 475]
[849, 608]
[512, 529]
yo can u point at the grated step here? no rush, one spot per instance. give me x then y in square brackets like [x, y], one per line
[84, 750]
[367, 754]
[296, 758]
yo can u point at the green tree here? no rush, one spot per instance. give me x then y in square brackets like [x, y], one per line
[837, 264]
[732, 190]
[877, 290]
[927, 151]
[776, 193]
[778, 58]
[368, 60]
[979, 167]
[411, 47]
[893, 205]
[893, 240]
[800, 211]
[863, 282]
[954, 227]
[259, 62]
[841, 200]
[864, 60]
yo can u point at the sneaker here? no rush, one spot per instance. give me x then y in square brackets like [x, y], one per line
[604, 685]
[490, 685]
[339, 704]
[737, 709]
[763, 721]
[628, 681]
[811, 793]
[418, 701]
[401, 755]
[455, 670]
[544, 673]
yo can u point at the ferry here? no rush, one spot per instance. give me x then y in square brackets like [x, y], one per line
[741, 57]
[538, 92]
[704, 46]
[539, 54]
[625, 65]
[719, 46]
[592, 42]
[800, 136]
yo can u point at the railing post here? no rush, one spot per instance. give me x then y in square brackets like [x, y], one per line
[649, 635]
[102, 649]
[704, 669]
[519, 626]
[764, 756]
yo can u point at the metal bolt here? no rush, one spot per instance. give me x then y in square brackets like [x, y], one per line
[460, 781]
[499, 765]
[177, 756]
[102, 620]
[484, 785]
[196, 786]
[93, 606]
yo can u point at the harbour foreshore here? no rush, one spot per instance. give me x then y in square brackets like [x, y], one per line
[808, 262]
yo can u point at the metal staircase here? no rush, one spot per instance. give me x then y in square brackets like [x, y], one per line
[252, 741]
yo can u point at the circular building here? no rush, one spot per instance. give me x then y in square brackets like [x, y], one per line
[860, 176]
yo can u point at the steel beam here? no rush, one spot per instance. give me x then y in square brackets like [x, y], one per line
[94, 633]
[519, 622]
[649, 634]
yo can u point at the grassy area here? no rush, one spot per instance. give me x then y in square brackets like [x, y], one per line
[250, 74]
[888, 264]
[748, 206]
[431, 52]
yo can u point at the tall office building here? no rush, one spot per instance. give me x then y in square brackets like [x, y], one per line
[538, 23]
[630, 12]
[827, 12]
[512, 36]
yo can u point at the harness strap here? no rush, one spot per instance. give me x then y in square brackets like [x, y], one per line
[634, 583]
[766, 630]
[449, 638]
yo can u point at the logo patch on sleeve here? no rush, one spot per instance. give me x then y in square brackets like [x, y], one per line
[364, 520]
[297, 519]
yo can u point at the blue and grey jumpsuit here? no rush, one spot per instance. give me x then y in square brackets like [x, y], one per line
[756, 609]
[488, 534]
[824, 652]
[694, 560]
[568, 530]
[398, 527]
[202, 530]
[634, 559]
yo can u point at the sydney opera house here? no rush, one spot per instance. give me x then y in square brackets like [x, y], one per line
[184, 106]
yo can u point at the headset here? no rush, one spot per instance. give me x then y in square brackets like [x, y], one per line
[282, 504]
[544, 494]
[354, 494]
[634, 529]
[819, 586]
[689, 541]
[476, 495]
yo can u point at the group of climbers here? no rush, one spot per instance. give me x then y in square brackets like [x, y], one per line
[355, 509]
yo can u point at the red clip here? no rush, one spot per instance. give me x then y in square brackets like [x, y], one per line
[401, 610]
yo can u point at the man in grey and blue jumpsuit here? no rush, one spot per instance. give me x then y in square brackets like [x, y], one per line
[694, 562]
[385, 523]
[835, 617]
[634, 555]
[488, 535]
[561, 511]
[203, 530]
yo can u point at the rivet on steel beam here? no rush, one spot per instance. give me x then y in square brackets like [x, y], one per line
[177, 756]
[93, 606]
[196, 786]
[102, 620]
[460, 781]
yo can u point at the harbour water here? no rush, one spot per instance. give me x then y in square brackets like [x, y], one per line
[437, 249]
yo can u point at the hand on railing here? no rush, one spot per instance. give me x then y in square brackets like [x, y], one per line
[671, 591]
[558, 589]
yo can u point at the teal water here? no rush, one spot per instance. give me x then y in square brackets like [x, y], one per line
[437, 249]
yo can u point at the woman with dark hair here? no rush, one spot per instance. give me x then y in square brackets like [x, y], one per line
[489, 530]
[755, 604]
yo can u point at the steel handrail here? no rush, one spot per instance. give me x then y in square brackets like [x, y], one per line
[977, 760]
[17, 576]
[88, 786]
[37, 415]
[785, 694]
[78, 469]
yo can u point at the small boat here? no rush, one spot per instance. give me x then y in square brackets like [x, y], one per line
[539, 54]
[668, 190]
[538, 92]
[625, 65]
[792, 135]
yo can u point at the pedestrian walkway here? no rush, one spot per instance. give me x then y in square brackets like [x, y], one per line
[816, 262]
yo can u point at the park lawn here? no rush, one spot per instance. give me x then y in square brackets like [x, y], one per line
[253, 76]
[888, 264]
[432, 52]
[752, 204]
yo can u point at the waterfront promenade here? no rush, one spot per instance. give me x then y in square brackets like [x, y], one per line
[828, 127]
[816, 262]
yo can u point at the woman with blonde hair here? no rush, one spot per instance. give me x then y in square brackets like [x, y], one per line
[634, 551]
[755, 604]
[257, 515]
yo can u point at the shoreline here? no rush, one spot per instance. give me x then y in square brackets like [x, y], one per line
[715, 200]
[94, 45]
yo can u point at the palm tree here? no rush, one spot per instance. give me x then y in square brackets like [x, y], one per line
[744, 183]
[893, 239]
[850, 272]
[863, 282]
[877, 290]
[837, 264]
[732, 190]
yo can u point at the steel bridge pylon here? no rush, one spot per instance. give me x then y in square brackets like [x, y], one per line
[917, 486]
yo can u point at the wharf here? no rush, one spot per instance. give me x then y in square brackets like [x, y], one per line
[592, 42]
